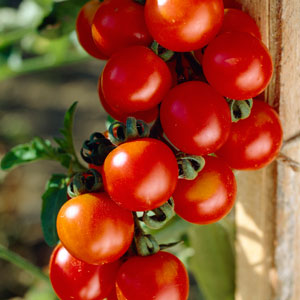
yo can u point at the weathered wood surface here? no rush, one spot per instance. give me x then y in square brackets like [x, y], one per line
[268, 207]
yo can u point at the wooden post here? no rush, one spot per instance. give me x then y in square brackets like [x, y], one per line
[268, 206]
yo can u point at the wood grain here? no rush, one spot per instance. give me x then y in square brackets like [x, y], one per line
[268, 207]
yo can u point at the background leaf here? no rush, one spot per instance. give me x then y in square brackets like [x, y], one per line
[213, 266]
[53, 199]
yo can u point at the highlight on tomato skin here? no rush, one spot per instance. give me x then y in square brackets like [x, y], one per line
[73, 279]
[140, 175]
[195, 118]
[135, 79]
[237, 65]
[160, 276]
[254, 142]
[94, 229]
[119, 24]
[84, 30]
[210, 196]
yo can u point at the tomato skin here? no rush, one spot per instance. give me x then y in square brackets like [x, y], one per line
[94, 229]
[119, 24]
[129, 87]
[175, 24]
[84, 29]
[237, 20]
[73, 279]
[254, 142]
[195, 118]
[210, 196]
[160, 276]
[237, 65]
[140, 175]
[148, 116]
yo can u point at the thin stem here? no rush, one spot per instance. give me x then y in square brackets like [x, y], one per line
[20, 262]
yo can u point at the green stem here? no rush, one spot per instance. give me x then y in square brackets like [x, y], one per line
[20, 262]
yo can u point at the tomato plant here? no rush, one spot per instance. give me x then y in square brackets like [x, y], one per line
[254, 142]
[119, 24]
[195, 118]
[73, 279]
[129, 87]
[183, 25]
[210, 196]
[237, 65]
[84, 29]
[158, 276]
[94, 229]
[140, 175]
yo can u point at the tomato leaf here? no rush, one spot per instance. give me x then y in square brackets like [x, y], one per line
[53, 199]
[213, 262]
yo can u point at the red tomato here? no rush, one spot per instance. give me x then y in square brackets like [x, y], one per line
[73, 279]
[237, 20]
[253, 142]
[135, 79]
[94, 229]
[147, 116]
[160, 276]
[210, 196]
[119, 24]
[237, 65]
[184, 25]
[140, 175]
[84, 29]
[195, 118]
[112, 295]
[232, 4]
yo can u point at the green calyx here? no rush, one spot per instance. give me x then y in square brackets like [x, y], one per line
[163, 53]
[95, 150]
[239, 109]
[158, 217]
[142, 2]
[85, 182]
[133, 129]
[189, 165]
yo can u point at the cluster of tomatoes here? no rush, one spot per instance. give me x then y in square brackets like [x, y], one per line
[216, 63]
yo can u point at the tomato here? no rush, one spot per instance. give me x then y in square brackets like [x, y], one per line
[253, 142]
[237, 20]
[73, 279]
[135, 79]
[119, 24]
[237, 65]
[84, 29]
[147, 116]
[140, 175]
[94, 229]
[112, 295]
[210, 196]
[232, 4]
[195, 118]
[160, 276]
[184, 25]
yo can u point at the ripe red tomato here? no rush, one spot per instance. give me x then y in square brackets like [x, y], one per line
[147, 116]
[253, 142]
[94, 229]
[210, 196]
[237, 20]
[140, 175]
[184, 25]
[195, 118]
[73, 279]
[119, 24]
[232, 4]
[237, 65]
[84, 29]
[135, 79]
[160, 276]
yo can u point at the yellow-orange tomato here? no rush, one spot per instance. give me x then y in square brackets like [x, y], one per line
[210, 196]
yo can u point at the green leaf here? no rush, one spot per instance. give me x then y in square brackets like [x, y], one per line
[213, 262]
[61, 19]
[53, 199]
[40, 291]
[35, 150]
